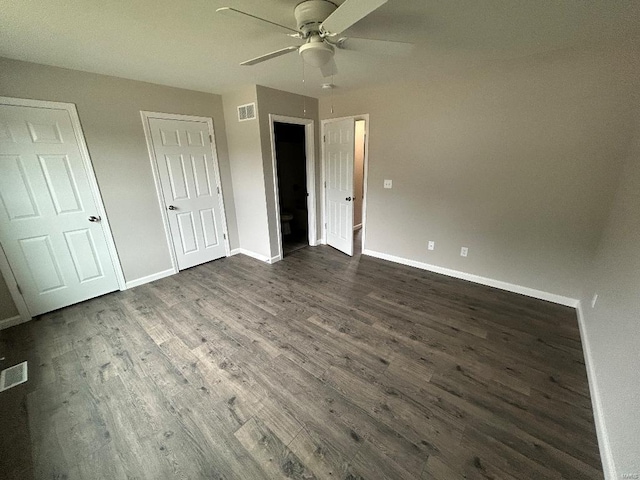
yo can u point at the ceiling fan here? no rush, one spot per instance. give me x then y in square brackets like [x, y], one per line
[320, 23]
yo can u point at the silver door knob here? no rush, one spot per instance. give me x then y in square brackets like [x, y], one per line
[93, 218]
[171, 207]
[348, 199]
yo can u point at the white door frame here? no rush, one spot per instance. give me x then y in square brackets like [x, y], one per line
[146, 117]
[365, 117]
[7, 273]
[311, 175]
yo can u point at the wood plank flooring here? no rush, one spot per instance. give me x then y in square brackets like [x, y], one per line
[320, 366]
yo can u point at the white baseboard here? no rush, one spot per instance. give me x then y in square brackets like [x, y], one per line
[603, 437]
[150, 278]
[233, 252]
[275, 259]
[251, 254]
[510, 287]
[357, 227]
[12, 321]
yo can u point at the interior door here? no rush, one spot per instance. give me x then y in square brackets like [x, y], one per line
[339, 152]
[50, 229]
[187, 170]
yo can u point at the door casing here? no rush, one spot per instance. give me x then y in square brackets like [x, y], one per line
[5, 268]
[145, 115]
[311, 176]
[365, 117]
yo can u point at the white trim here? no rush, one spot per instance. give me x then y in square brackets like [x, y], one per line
[365, 178]
[606, 457]
[95, 190]
[365, 117]
[251, 254]
[309, 134]
[510, 287]
[357, 227]
[235, 251]
[151, 278]
[156, 180]
[70, 108]
[146, 117]
[11, 321]
[275, 259]
[12, 285]
[216, 171]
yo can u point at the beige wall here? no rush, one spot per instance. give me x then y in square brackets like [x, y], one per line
[245, 156]
[517, 162]
[612, 328]
[252, 165]
[277, 102]
[109, 110]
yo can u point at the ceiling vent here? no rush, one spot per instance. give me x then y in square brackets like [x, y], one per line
[12, 376]
[246, 112]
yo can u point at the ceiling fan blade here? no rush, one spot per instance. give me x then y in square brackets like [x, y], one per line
[377, 47]
[269, 56]
[349, 13]
[232, 12]
[329, 68]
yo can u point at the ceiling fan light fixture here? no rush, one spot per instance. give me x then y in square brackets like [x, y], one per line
[316, 54]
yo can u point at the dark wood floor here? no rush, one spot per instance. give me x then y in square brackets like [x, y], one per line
[319, 366]
[294, 242]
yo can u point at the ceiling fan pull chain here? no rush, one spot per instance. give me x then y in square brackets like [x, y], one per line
[332, 83]
[304, 92]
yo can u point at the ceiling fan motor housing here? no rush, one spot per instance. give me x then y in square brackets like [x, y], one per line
[311, 13]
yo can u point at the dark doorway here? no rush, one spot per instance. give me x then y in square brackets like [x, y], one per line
[292, 185]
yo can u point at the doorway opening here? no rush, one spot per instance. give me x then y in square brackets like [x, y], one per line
[189, 193]
[358, 183]
[291, 164]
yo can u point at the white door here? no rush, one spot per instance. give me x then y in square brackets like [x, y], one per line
[50, 228]
[189, 176]
[339, 152]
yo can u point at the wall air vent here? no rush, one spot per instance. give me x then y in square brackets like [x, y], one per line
[246, 112]
[12, 376]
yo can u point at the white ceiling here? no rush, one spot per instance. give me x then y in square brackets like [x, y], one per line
[184, 43]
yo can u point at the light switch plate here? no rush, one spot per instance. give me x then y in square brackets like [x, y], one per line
[388, 183]
[431, 245]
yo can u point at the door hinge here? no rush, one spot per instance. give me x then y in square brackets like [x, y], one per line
[324, 138]
[325, 184]
[325, 226]
[224, 235]
[19, 289]
[211, 138]
[218, 190]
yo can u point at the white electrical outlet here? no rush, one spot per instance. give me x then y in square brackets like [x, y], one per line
[432, 245]
[594, 300]
[388, 183]
[464, 251]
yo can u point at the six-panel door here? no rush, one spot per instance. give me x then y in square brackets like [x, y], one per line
[57, 255]
[183, 153]
[339, 153]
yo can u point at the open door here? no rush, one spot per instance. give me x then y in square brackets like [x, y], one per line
[339, 151]
[51, 227]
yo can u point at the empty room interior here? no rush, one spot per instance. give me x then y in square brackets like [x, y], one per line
[350, 239]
